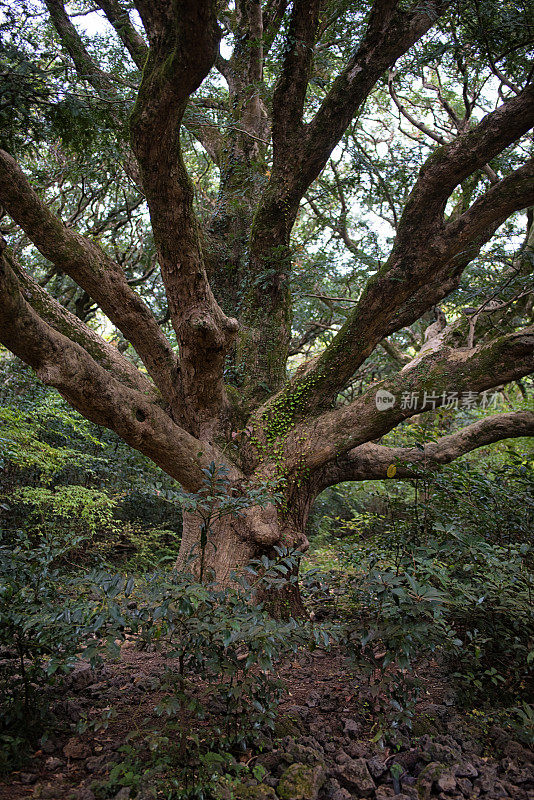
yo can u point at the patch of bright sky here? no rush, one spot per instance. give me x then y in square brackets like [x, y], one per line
[96, 22]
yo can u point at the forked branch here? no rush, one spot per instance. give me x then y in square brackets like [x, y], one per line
[92, 390]
[183, 44]
[428, 253]
[92, 269]
[432, 378]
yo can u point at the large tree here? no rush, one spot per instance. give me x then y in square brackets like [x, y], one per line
[294, 118]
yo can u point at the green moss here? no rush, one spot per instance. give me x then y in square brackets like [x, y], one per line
[286, 725]
[285, 409]
[428, 777]
[301, 782]
[231, 790]
[424, 725]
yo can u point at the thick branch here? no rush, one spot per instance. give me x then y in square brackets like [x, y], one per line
[63, 321]
[273, 15]
[199, 126]
[448, 166]
[394, 351]
[300, 153]
[390, 33]
[428, 253]
[438, 374]
[88, 265]
[246, 66]
[500, 201]
[371, 461]
[96, 77]
[72, 42]
[463, 238]
[89, 388]
[290, 90]
[183, 41]
[462, 241]
[204, 130]
[131, 39]
[264, 345]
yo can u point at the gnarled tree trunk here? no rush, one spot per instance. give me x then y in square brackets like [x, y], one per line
[234, 540]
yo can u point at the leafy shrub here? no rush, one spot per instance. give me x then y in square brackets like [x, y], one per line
[59, 472]
[46, 623]
[148, 508]
[491, 607]
[491, 497]
[24, 447]
[458, 597]
[140, 549]
[419, 587]
[68, 510]
[221, 689]
[222, 637]
[84, 520]
[523, 725]
[222, 648]
[401, 619]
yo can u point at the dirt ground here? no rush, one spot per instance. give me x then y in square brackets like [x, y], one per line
[324, 729]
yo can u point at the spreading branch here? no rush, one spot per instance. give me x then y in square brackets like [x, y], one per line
[439, 374]
[290, 90]
[273, 15]
[371, 461]
[87, 70]
[428, 253]
[92, 269]
[91, 389]
[129, 36]
[72, 42]
[58, 317]
[390, 33]
[300, 152]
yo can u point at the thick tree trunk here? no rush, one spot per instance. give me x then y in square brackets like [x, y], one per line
[233, 541]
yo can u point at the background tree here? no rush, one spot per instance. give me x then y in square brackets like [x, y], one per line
[223, 251]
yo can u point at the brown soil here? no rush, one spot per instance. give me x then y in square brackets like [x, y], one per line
[325, 703]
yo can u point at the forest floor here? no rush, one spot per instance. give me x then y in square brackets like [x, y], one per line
[322, 747]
